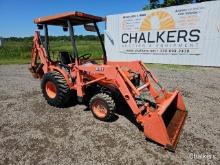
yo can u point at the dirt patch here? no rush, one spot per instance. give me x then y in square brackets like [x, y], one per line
[32, 132]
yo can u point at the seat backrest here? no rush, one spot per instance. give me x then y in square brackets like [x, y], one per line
[65, 58]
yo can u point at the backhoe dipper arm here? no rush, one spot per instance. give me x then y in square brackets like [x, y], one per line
[38, 51]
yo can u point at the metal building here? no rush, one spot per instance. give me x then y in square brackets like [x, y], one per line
[187, 35]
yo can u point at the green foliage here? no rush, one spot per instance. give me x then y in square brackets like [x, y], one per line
[153, 4]
[170, 67]
[55, 38]
[168, 3]
[202, 0]
[18, 50]
[15, 49]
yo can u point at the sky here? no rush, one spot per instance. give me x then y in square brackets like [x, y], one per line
[17, 15]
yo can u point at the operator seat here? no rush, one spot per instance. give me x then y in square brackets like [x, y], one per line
[65, 58]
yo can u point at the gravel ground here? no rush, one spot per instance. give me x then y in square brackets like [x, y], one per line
[32, 132]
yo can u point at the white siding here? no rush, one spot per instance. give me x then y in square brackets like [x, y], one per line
[209, 49]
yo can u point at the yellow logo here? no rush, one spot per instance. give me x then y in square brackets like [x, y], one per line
[160, 20]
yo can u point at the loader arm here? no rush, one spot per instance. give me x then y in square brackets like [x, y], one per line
[163, 122]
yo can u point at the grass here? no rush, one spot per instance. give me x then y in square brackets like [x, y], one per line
[15, 52]
[19, 52]
[14, 61]
[170, 66]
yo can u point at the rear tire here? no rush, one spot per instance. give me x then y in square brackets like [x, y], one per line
[102, 106]
[55, 89]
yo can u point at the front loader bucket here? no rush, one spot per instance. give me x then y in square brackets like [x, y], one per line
[165, 124]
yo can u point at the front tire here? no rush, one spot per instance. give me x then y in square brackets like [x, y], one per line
[55, 89]
[102, 106]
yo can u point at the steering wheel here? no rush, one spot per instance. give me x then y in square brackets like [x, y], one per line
[85, 56]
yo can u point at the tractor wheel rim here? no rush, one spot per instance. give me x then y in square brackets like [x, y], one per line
[99, 109]
[51, 89]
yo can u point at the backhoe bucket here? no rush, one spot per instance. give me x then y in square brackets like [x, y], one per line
[165, 124]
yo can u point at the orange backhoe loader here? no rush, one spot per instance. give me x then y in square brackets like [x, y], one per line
[100, 79]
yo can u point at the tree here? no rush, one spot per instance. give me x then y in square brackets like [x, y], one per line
[201, 0]
[168, 3]
[152, 5]
[181, 2]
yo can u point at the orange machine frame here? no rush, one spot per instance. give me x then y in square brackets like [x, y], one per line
[162, 123]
